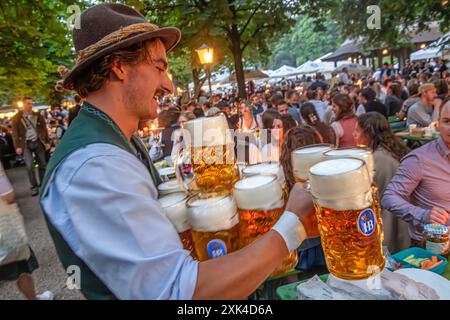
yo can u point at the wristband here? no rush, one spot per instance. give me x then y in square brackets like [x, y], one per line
[291, 230]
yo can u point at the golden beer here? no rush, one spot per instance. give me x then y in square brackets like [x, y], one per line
[305, 157]
[214, 168]
[215, 224]
[174, 206]
[208, 162]
[366, 155]
[260, 202]
[349, 226]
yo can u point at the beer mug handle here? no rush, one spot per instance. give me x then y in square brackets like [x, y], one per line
[307, 186]
[184, 171]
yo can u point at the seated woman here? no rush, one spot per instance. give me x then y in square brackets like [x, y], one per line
[373, 130]
[247, 121]
[177, 135]
[310, 252]
[271, 136]
[162, 146]
[345, 120]
[246, 144]
[311, 118]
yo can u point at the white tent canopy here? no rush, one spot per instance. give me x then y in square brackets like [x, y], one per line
[434, 50]
[282, 72]
[308, 67]
[353, 68]
[426, 53]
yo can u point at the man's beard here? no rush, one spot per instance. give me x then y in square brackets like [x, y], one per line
[134, 105]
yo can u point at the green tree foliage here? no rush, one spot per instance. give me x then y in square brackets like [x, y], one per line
[306, 41]
[237, 29]
[398, 19]
[33, 42]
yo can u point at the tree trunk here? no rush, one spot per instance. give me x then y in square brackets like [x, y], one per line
[198, 83]
[238, 65]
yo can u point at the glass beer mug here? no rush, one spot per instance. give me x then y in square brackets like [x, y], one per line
[174, 206]
[168, 187]
[260, 202]
[208, 163]
[348, 223]
[366, 155]
[305, 157]
[215, 224]
[265, 168]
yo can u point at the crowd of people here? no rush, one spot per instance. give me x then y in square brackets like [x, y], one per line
[100, 196]
[29, 139]
[351, 114]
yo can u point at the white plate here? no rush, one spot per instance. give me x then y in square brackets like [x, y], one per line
[431, 279]
[166, 171]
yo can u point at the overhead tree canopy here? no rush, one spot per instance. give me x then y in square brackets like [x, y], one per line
[397, 19]
[304, 42]
[237, 29]
[33, 42]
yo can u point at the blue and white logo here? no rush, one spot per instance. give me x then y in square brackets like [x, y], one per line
[216, 248]
[366, 222]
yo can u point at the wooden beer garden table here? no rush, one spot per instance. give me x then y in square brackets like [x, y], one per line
[289, 291]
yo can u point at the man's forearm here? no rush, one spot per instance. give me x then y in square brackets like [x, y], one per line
[406, 211]
[238, 274]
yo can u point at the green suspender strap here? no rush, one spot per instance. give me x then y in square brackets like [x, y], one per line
[90, 126]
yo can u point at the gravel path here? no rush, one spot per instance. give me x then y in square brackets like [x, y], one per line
[51, 275]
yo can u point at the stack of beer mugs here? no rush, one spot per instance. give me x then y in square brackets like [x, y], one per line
[260, 201]
[208, 162]
[366, 155]
[174, 206]
[215, 224]
[305, 157]
[268, 168]
[349, 225]
[342, 184]
[206, 171]
[167, 187]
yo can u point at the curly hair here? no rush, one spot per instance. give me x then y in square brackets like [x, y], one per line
[96, 74]
[295, 138]
[377, 129]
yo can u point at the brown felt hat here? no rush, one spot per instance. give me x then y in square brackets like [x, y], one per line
[106, 28]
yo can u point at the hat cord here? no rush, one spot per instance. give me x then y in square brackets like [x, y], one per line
[114, 37]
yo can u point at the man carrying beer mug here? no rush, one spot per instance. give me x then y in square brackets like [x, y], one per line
[104, 216]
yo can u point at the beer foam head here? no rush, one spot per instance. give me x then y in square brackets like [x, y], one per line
[341, 184]
[169, 187]
[304, 158]
[212, 212]
[207, 132]
[266, 168]
[260, 192]
[174, 206]
[361, 153]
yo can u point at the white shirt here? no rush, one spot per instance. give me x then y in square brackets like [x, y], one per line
[104, 203]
